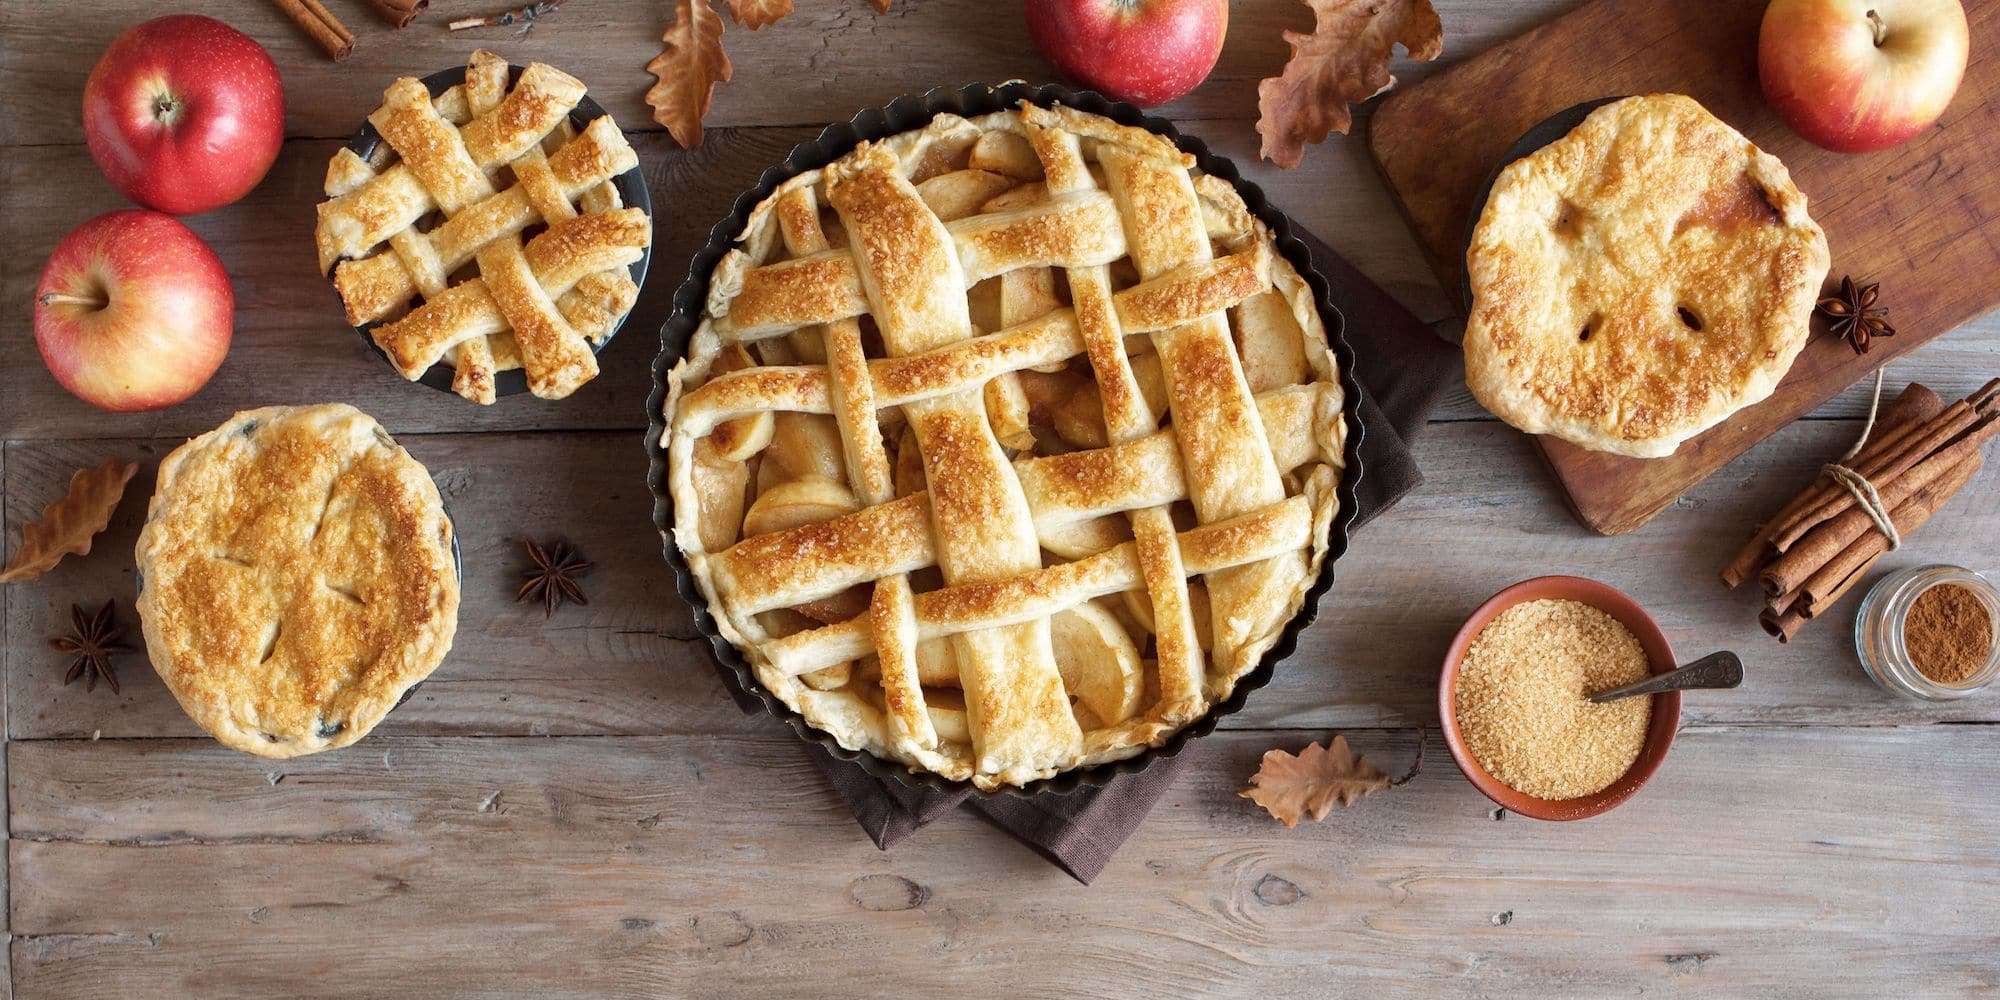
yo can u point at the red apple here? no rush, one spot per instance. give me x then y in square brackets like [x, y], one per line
[133, 311]
[184, 114]
[1856, 75]
[1147, 52]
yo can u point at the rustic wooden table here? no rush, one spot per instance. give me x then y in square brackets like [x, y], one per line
[573, 808]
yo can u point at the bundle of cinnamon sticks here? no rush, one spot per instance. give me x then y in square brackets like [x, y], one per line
[1921, 453]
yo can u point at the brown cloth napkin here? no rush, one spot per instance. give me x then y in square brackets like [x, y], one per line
[1402, 367]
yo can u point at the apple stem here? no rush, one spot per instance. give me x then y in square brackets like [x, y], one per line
[60, 299]
[1881, 30]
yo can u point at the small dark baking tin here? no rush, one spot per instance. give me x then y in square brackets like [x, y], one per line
[902, 115]
[457, 570]
[632, 191]
[1543, 134]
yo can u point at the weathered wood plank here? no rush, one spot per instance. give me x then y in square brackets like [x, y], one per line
[824, 62]
[614, 666]
[290, 343]
[7, 521]
[624, 665]
[625, 866]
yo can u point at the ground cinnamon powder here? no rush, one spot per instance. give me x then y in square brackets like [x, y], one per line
[1948, 633]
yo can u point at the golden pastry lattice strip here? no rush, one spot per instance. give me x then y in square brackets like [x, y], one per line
[1211, 548]
[817, 560]
[1105, 320]
[851, 393]
[1164, 303]
[911, 276]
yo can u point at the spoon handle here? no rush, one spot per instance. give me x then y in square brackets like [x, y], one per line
[1716, 670]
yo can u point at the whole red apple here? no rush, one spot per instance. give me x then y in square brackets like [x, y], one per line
[1856, 75]
[133, 311]
[1147, 52]
[184, 113]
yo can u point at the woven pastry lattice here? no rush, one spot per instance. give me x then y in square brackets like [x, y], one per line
[485, 231]
[1007, 446]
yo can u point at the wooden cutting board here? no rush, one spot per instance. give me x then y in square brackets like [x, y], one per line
[1922, 218]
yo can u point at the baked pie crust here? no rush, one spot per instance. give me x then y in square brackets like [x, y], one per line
[296, 578]
[1005, 446]
[431, 240]
[1639, 280]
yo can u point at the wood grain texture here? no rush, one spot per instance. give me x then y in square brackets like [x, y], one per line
[571, 807]
[291, 344]
[726, 868]
[826, 61]
[630, 662]
[1918, 218]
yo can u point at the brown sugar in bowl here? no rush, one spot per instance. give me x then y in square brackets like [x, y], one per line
[1666, 715]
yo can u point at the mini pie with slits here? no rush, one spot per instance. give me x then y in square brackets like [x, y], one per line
[1005, 446]
[485, 231]
[296, 578]
[1639, 280]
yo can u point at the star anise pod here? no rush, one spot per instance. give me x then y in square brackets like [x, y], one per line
[553, 576]
[91, 642]
[1853, 314]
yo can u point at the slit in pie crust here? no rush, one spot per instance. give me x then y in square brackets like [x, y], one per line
[296, 578]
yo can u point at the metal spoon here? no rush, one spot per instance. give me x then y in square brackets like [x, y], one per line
[1716, 670]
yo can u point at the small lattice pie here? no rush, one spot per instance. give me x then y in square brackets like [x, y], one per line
[486, 233]
[1006, 446]
[1639, 280]
[296, 578]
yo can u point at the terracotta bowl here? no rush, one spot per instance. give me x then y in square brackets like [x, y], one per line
[1666, 707]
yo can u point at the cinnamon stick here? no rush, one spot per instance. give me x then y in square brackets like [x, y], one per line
[1812, 551]
[1784, 623]
[325, 29]
[399, 12]
[1953, 421]
[1897, 454]
[1914, 405]
[1908, 516]
[1832, 581]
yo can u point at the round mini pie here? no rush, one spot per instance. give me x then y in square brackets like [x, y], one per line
[1005, 446]
[296, 578]
[1639, 280]
[486, 230]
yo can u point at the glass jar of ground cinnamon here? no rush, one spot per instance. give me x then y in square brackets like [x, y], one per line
[1931, 632]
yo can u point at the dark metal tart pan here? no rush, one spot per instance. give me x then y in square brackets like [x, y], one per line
[1542, 134]
[632, 192]
[902, 115]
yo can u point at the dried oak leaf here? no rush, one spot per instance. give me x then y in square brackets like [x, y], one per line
[1344, 61]
[754, 14]
[689, 67]
[1289, 787]
[67, 526]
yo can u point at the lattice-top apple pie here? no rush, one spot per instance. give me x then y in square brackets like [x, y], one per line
[1006, 446]
[296, 578]
[485, 232]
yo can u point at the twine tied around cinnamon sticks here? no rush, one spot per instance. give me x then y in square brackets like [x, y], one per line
[1825, 540]
[1864, 491]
